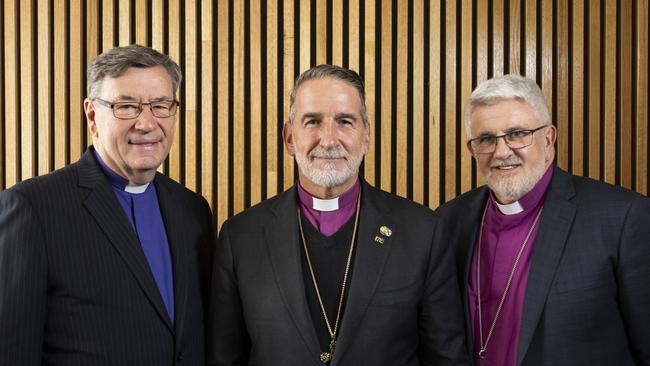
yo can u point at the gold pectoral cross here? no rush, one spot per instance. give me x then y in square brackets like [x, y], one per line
[326, 357]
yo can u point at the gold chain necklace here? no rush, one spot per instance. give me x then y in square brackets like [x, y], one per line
[327, 356]
[481, 352]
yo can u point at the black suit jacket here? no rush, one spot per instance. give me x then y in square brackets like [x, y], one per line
[403, 306]
[75, 286]
[587, 299]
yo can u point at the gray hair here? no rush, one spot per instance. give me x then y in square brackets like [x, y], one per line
[117, 60]
[335, 72]
[507, 87]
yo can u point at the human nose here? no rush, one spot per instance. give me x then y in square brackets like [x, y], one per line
[501, 148]
[146, 121]
[328, 133]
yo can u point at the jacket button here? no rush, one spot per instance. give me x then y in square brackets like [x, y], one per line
[179, 357]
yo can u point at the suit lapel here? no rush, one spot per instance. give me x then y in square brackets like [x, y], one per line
[103, 206]
[466, 244]
[282, 239]
[174, 223]
[368, 266]
[554, 227]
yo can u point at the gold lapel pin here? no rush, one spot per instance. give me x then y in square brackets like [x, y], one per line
[385, 231]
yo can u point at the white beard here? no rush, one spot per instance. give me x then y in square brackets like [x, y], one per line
[328, 175]
[512, 188]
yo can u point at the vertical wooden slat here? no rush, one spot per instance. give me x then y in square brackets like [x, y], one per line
[547, 60]
[44, 93]
[223, 112]
[61, 139]
[207, 102]
[11, 94]
[402, 101]
[370, 57]
[624, 98]
[288, 59]
[27, 105]
[435, 83]
[577, 87]
[272, 122]
[76, 82]
[92, 50]
[108, 36]
[642, 97]
[141, 26]
[418, 101]
[157, 25]
[498, 38]
[594, 90]
[238, 107]
[337, 31]
[321, 29]
[609, 104]
[465, 92]
[256, 96]
[514, 54]
[562, 83]
[190, 87]
[353, 35]
[386, 96]
[450, 100]
[305, 36]
[174, 11]
[530, 24]
[482, 71]
[124, 21]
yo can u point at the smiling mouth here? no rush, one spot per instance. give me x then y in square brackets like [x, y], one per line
[506, 167]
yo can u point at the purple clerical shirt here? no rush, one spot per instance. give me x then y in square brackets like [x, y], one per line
[329, 222]
[144, 214]
[503, 236]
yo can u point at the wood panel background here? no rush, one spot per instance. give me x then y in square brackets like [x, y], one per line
[420, 60]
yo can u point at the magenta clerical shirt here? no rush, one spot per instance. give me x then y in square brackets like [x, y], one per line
[503, 235]
[329, 222]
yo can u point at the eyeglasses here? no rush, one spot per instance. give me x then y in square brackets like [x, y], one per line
[130, 110]
[518, 139]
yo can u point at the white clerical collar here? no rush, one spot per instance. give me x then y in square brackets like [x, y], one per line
[325, 205]
[137, 189]
[510, 208]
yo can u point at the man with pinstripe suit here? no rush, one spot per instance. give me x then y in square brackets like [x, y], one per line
[101, 262]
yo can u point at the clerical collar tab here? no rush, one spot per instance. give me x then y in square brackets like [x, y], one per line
[136, 189]
[325, 205]
[510, 208]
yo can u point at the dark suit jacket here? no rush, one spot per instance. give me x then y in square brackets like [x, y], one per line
[403, 306]
[75, 286]
[587, 300]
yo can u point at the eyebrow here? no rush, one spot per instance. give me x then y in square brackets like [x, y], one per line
[128, 98]
[309, 115]
[345, 115]
[511, 129]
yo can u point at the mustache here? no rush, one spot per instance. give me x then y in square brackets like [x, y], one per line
[503, 162]
[334, 153]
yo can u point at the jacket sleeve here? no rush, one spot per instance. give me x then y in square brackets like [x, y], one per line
[228, 343]
[442, 328]
[632, 275]
[23, 281]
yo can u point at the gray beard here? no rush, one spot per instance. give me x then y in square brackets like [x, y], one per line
[328, 176]
[514, 188]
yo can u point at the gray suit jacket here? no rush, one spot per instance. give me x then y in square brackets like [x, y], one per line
[587, 300]
[75, 286]
[403, 306]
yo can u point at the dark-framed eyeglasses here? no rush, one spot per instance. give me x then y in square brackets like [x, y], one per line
[130, 110]
[517, 139]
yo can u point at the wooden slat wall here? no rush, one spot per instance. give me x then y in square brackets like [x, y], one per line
[420, 60]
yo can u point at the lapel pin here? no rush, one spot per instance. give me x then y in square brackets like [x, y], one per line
[379, 240]
[385, 231]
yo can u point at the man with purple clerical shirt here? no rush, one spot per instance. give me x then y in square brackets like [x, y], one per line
[103, 262]
[553, 267]
[333, 271]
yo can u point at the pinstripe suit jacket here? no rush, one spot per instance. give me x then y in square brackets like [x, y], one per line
[587, 299]
[75, 286]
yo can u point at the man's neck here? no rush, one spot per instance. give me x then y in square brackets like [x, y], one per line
[326, 193]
